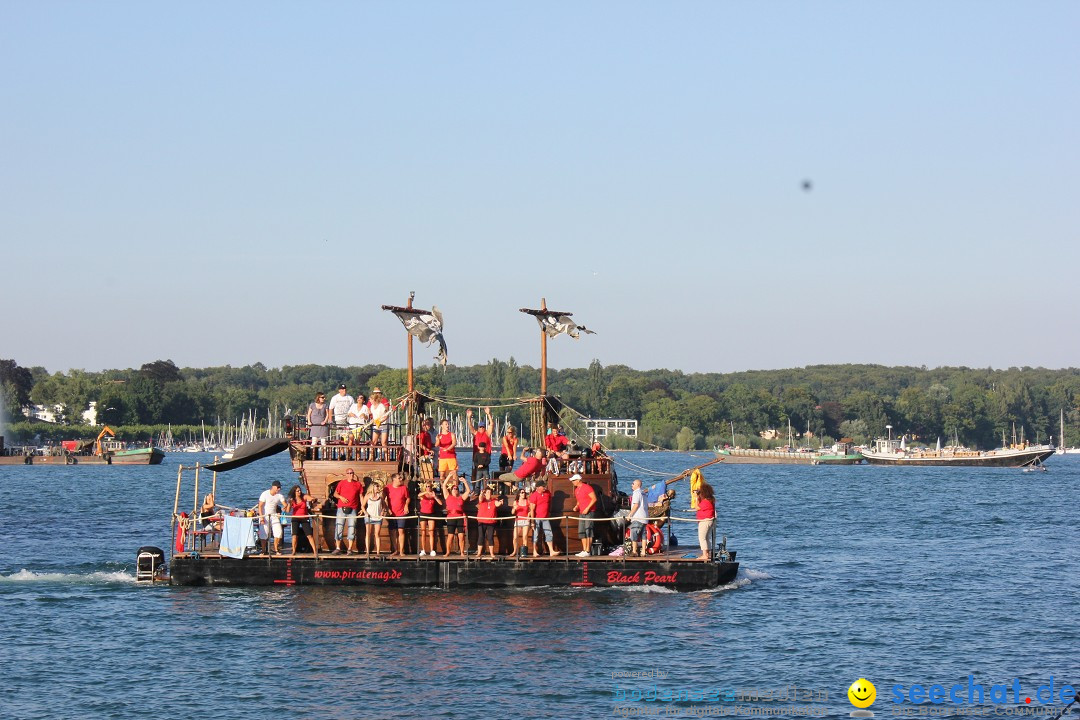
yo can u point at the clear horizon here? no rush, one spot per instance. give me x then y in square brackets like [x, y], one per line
[231, 184]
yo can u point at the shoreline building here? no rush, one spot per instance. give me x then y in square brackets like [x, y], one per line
[600, 428]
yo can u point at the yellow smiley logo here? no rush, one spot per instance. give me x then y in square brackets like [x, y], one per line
[862, 693]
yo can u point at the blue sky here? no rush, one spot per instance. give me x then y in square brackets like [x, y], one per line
[226, 183]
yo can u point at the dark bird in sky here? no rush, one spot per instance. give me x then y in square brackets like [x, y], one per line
[807, 186]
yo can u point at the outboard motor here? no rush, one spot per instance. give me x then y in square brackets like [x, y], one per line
[288, 426]
[149, 564]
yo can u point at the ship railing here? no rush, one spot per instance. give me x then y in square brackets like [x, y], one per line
[204, 534]
[352, 453]
[585, 466]
[340, 432]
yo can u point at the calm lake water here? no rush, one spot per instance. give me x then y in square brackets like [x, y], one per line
[901, 576]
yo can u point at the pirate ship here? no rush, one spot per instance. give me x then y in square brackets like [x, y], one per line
[201, 557]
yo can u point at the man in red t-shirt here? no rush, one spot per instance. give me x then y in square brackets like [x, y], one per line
[397, 498]
[585, 506]
[533, 465]
[539, 508]
[347, 493]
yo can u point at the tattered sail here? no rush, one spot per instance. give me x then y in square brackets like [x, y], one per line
[427, 328]
[553, 325]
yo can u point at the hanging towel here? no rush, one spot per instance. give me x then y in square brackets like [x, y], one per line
[237, 535]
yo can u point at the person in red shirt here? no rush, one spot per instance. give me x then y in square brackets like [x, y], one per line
[447, 443]
[425, 450]
[509, 450]
[533, 465]
[347, 493]
[539, 506]
[425, 446]
[397, 497]
[585, 506]
[301, 518]
[520, 508]
[551, 439]
[455, 511]
[428, 501]
[706, 516]
[485, 522]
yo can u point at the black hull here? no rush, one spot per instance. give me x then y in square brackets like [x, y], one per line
[450, 573]
[1013, 460]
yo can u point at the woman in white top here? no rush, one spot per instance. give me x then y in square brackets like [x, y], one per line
[373, 515]
[359, 418]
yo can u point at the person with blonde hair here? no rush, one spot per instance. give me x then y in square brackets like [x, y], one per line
[373, 517]
[706, 516]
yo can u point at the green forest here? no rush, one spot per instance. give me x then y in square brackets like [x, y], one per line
[676, 410]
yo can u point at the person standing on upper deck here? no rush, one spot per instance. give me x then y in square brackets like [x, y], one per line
[447, 444]
[481, 444]
[380, 419]
[425, 445]
[339, 408]
[358, 418]
[509, 450]
[318, 419]
[585, 506]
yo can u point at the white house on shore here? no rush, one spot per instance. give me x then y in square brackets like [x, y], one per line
[600, 428]
[48, 413]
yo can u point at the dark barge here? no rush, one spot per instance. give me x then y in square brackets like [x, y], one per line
[668, 570]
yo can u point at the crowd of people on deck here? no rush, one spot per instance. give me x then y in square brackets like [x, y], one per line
[439, 499]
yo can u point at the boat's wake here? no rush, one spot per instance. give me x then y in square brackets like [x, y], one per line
[742, 579]
[90, 578]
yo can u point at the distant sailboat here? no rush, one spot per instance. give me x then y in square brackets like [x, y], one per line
[1061, 449]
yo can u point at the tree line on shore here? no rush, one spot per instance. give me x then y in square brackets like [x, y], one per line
[674, 409]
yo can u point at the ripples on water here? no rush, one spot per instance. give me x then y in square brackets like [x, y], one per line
[894, 574]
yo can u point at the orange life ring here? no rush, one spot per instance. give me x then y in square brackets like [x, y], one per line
[654, 539]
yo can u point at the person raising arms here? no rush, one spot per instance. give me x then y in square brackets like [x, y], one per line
[455, 511]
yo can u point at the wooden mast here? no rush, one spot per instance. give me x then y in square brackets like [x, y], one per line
[543, 354]
[408, 305]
